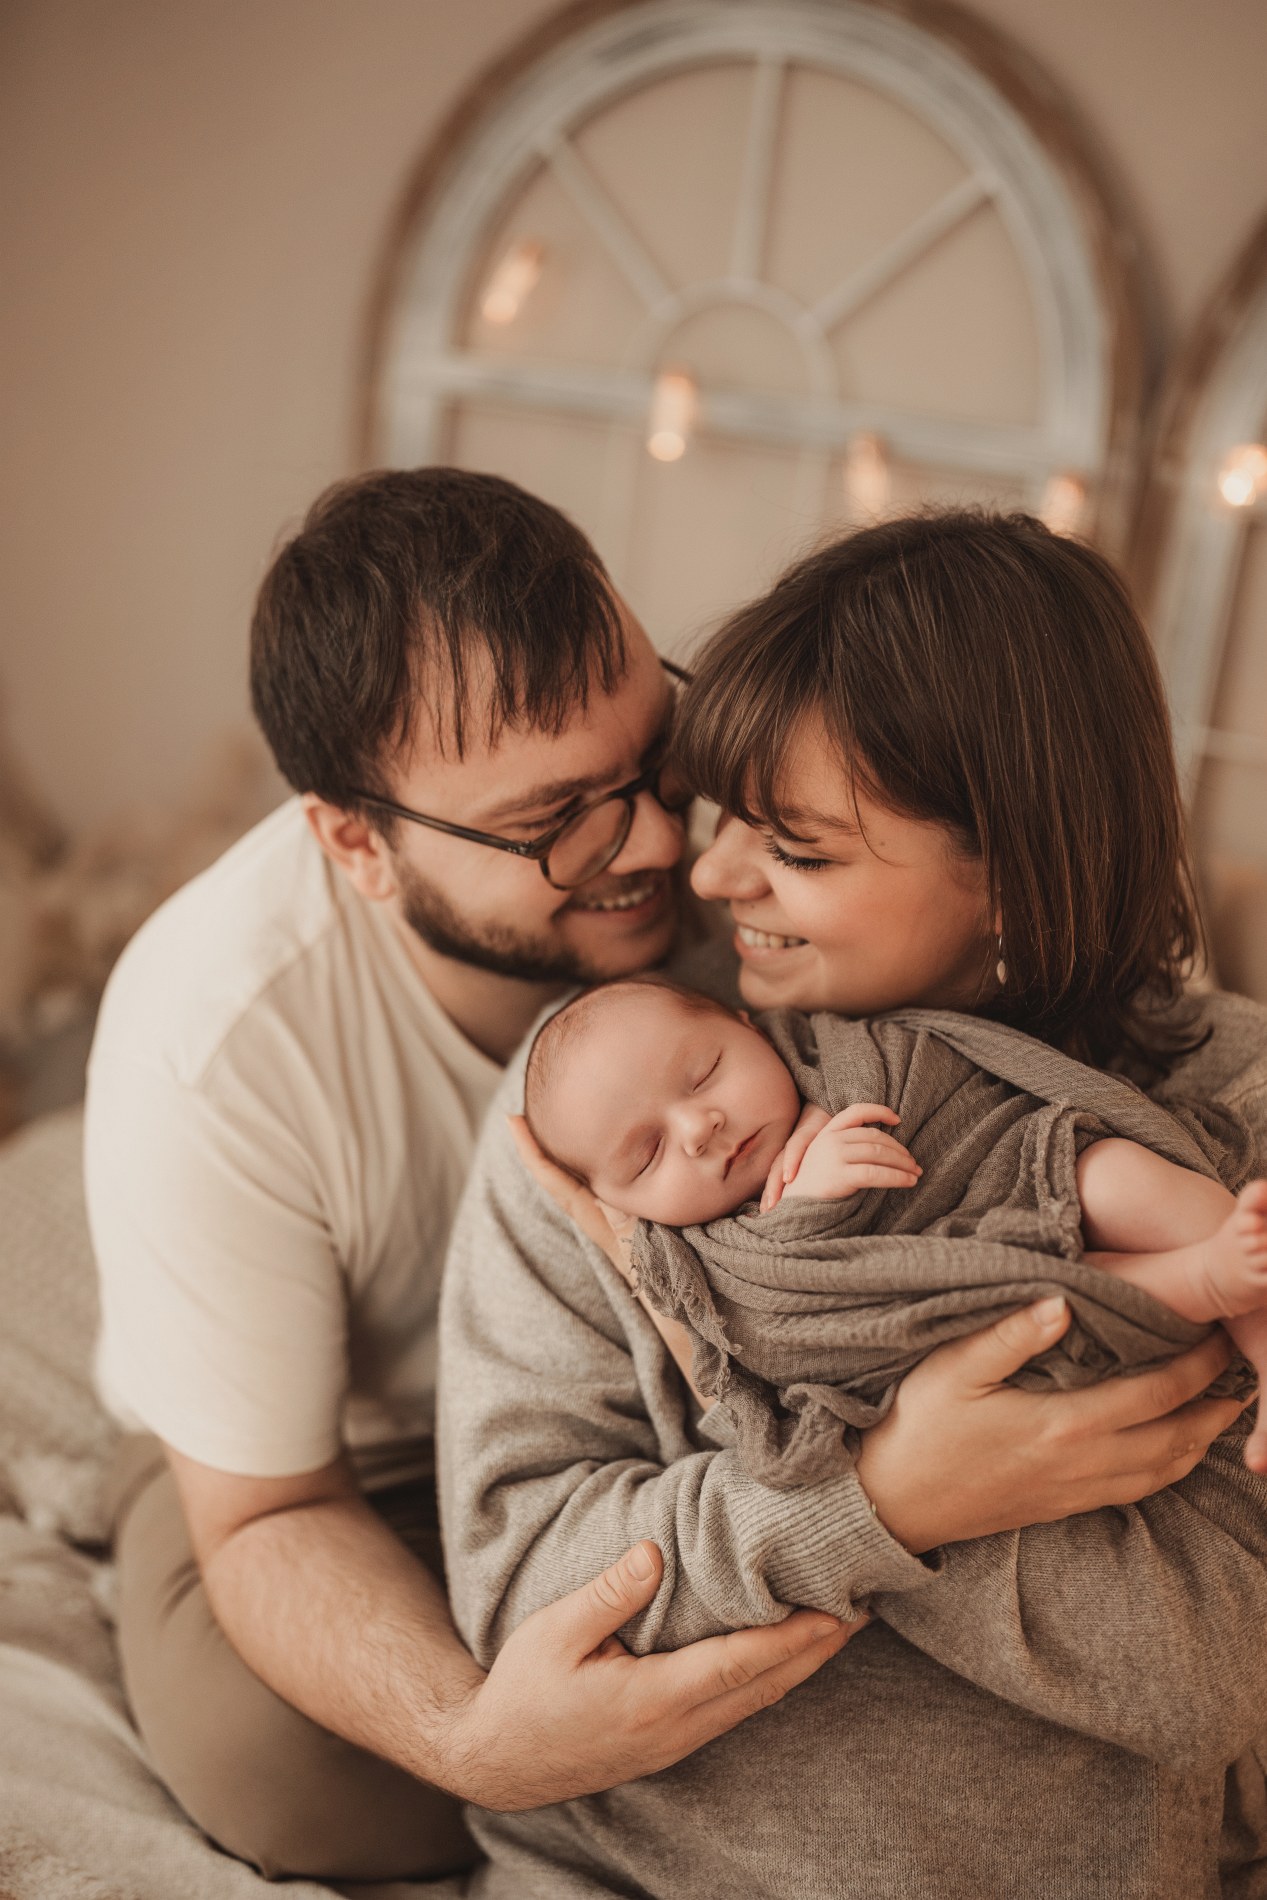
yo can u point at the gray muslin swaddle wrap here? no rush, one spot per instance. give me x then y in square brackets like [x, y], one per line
[806, 1319]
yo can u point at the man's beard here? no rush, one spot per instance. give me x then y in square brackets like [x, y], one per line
[495, 947]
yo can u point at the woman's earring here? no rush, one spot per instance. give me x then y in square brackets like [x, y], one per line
[1000, 968]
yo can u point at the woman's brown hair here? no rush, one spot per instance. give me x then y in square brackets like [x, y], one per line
[980, 671]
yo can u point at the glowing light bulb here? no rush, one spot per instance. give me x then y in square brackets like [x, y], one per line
[511, 281]
[1243, 476]
[868, 477]
[674, 406]
[1064, 502]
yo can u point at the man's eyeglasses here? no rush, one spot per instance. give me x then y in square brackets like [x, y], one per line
[587, 840]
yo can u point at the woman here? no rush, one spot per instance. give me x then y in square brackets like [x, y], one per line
[943, 761]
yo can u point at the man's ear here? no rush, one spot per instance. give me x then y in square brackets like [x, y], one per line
[352, 843]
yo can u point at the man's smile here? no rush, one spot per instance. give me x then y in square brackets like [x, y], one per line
[643, 890]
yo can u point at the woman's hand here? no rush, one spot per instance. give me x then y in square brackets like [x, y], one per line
[611, 1232]
[566, 1710]
[962, 1454]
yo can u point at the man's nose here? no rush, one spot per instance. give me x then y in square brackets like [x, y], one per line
[733, 869]
[656, 839]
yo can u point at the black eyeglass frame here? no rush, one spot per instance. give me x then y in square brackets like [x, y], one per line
[539, 849]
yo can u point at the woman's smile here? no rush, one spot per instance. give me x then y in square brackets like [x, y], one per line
[753, 942]
[881, 910]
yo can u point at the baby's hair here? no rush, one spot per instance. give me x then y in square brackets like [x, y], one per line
[559, 1031]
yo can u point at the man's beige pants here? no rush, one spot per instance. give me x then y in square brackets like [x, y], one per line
[261, 1779]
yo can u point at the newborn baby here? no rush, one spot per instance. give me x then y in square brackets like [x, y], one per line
[675, 1109]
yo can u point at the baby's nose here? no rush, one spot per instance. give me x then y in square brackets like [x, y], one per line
[701, 1124]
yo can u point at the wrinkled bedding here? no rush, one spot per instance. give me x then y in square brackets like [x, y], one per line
[82, 1816]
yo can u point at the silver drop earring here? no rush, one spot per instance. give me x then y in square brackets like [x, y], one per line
[1000, 968]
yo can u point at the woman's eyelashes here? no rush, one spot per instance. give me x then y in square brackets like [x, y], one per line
[792, 860]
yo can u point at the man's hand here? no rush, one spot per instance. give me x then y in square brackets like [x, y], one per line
[330, 1609]
[845, 1155]
[963, 1454]
[566, 1710]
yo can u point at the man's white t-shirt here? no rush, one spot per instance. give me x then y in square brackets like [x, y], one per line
[280, 1120]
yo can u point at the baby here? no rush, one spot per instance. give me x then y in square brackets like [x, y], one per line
[675, 1109]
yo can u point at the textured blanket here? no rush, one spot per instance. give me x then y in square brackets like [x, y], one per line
[806, 1319]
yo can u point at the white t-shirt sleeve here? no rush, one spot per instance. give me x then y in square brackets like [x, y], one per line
[223, 1306]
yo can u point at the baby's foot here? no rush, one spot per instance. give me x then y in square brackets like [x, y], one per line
[1233, 1266]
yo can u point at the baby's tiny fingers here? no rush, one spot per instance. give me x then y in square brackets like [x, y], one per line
[872, 1175]
[874, 1146]
[859, 1114]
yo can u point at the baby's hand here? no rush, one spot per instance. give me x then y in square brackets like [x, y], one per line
[850, 1154]
[785, 1164]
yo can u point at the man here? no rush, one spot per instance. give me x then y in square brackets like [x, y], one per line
[292, 1061]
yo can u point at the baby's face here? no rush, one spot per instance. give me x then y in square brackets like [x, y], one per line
[671, 1113]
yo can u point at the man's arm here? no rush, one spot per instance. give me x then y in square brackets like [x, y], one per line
[566, 1432]
[330, 1609]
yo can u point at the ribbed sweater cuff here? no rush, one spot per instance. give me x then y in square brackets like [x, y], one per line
[822, 1547]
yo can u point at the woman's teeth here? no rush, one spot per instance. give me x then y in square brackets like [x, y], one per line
[766, 939]
[624, 900]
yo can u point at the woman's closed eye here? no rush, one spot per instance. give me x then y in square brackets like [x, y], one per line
[792, 860]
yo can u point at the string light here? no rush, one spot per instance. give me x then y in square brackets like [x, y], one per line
[868, 477]
[674, 406]
[1243, 476]
[1064, 503]
[512, 281]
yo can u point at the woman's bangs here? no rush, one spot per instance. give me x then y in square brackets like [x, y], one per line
[732, 738]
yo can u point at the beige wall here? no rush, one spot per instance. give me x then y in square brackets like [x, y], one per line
[195, 197]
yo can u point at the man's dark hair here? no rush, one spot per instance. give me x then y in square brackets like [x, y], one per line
[430, 595]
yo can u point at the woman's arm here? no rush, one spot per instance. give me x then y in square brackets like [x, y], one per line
[564, 1424]
[566, 1434]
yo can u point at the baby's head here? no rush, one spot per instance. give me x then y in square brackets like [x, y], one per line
[666, 1104]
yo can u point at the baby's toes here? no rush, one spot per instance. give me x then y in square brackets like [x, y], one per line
[1251, 1220]
[1252, 1199]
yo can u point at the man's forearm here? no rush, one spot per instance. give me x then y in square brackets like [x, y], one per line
[340, 1619]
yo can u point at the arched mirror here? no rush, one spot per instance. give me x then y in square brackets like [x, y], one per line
[1203, 556]
[719, 278]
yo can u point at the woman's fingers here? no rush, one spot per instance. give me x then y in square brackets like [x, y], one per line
[1181, 1439]
[556, 1181]
[569, 1194]
[1118, 1403]
[985, 1359]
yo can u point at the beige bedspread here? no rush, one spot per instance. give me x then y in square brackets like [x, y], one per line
[82, 1816]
